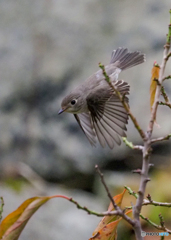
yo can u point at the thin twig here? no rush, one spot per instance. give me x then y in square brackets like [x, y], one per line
[118, 211]
[158, 89]
[131, 145]
[121, 98]
[155, 225]
[167, 77]
[168, 56]
[106, 188]
[1, 207]
[156, 204]
[102, 214]
[162, 223]
[166, 98]
[131, 192]
[160, 139]
[166, 104]
[149, 201]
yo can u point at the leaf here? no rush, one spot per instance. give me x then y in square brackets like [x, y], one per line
[107, 219]
[108, 232]
[12, 226]
[154, 77]
[118, 200]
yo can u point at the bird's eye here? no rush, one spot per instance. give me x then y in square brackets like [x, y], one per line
[73, 102]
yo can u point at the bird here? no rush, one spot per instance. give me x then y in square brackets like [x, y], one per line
[95, 105]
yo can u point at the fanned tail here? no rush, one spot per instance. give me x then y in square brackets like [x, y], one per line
[123, 59]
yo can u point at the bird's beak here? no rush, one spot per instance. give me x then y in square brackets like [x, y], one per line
[61, 110]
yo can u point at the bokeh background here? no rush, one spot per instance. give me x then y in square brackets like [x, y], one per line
[46, 48]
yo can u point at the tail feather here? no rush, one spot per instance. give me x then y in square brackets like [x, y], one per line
[123, 59]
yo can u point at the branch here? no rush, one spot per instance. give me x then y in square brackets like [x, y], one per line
[1, 207]
[145, 201]
[121, 98]
[166, 98]
[166, 104]
[158, 90]
[98, 214]
[102, 214]
[159, 227]
[106, 188]
[167, 137]
[131, 145]
[146, 136]
[136, 222]
[147, 141]
[169, 76]
[154, 203]
[166, 56]
[169, 32]
[131, 192]
[118, 211]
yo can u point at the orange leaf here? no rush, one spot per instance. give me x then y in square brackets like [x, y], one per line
[118, 200]
[108, 232]
[154, 76]
[107, 219]
[12, 226]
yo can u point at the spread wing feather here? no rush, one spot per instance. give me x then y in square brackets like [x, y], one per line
[107, 118]
[84, 121]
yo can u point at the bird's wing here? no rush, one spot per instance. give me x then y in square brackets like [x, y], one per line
[85, 122]
[107, 115]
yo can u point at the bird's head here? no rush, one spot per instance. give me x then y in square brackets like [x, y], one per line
[72, 103]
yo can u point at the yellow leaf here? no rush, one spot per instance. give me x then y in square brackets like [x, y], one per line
[154, 76]
[12, 226]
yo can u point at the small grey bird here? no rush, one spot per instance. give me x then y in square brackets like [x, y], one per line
[95, 105]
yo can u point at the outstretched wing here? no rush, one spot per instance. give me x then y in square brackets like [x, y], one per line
[107, 118]
[85, 122]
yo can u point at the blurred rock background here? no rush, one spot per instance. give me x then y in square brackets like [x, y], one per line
[46, 48]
